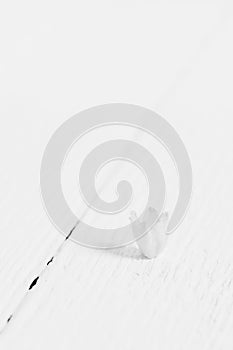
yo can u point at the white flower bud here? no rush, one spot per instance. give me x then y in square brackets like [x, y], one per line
[154, 241]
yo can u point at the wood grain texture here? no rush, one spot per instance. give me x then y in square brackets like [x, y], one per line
[92, 299]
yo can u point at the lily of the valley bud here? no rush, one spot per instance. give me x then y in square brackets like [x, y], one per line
[154, 241]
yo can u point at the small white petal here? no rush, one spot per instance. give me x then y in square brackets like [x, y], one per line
[154, 241]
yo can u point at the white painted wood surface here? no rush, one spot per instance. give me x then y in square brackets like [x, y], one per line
[59, 58]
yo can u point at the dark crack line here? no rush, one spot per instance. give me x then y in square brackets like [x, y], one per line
[34, 282]
[36, 279]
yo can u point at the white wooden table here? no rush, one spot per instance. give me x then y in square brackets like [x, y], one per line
[58, 58]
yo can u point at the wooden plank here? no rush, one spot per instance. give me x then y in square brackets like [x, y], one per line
[101, 299]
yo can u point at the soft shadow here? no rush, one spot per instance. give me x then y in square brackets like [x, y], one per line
[130, 252]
